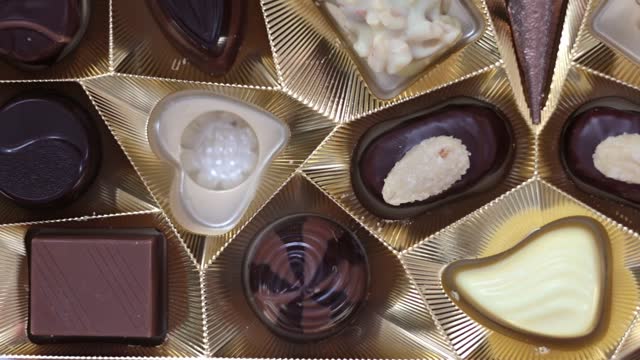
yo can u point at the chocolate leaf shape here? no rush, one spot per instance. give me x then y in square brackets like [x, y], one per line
[204, 20]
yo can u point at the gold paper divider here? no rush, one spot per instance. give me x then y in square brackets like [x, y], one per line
[498, 227]
[126, 102]
[316, 68]
[186, 322]
[580, 88]
[591, 52]
[116, 188]
[393, 323]
[89, 58]
[141, 48]
[330, 165]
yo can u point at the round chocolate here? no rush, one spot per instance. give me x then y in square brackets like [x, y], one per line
[485, 133]
[49, 150]
[306, 276]
[38, 33]
[207, 32]
[582, 135]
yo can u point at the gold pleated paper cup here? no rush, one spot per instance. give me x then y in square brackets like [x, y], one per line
[500, 226]
[126, 102]
[89, 58]
[581, 88]
[316, 67]
[116, 188]
[393, 322]
[330, 166]
[599, 55]
[141, 48]
[185, 337]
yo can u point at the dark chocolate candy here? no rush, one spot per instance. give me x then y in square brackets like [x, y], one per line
[37, 33]
[485, 133]
[208, 32]
[97, 286]
[306, 276]
[582, 135]
[49, 150]
[536, 32]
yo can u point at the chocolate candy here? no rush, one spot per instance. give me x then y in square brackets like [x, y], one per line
[582, 135]
[536, 49]
[306, 276]
[97, 286]
[38, 33]
[486, 135]
[49, 150]
[207, 32]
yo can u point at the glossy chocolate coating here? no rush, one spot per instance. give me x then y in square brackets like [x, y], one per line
[536, 27]
[37, 33]
[49, 150]
[485, 133]
[207, 32]
[306, 276]
[97, 286]
[582, 135]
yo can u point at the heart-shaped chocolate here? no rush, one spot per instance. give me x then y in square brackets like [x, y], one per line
[37, 33]
[581, 139]
[552, 285]
[220, 148]
[49, 150]
[484, 134]
[207, 32]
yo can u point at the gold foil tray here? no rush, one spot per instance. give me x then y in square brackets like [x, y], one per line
[140, 48]
[116, 188]
[330, 165]
[125, 102]
[498, 227]
[186, 323]
[394, 322]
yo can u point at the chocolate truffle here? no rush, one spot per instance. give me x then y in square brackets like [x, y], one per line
[97, 286]
[38, 33]
[49, 150]
[208, 32]
[551, 286]
[306, 277]
[536, 48]
[585, 136]
[407, 166]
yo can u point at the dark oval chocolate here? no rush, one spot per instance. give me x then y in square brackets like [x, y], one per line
[306, 276]
[37, 33]
[582, 135]
[49, 150]
[208, 32]
[485, 133]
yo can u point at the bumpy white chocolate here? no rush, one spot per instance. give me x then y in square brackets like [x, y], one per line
[219, 150]
[428, 169]
[550, 287]
[618, 157]
[393, 34]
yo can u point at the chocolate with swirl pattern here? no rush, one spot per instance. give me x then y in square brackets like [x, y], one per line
[306, 276]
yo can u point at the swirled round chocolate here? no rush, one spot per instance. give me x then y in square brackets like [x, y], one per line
[581, 137]
[37, 33]
[207, 32]
[49, 150]
[306, 276]
[485, 134]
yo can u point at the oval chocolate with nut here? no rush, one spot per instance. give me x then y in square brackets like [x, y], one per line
[407, 166]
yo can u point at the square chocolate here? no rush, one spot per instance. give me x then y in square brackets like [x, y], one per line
[97, 286]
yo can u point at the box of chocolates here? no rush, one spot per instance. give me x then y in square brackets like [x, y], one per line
[320, 179]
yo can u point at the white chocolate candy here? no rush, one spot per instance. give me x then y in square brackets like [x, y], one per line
[219, 148]
[551, 285]
[617, 22]
[618, 158]
[426, 170]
